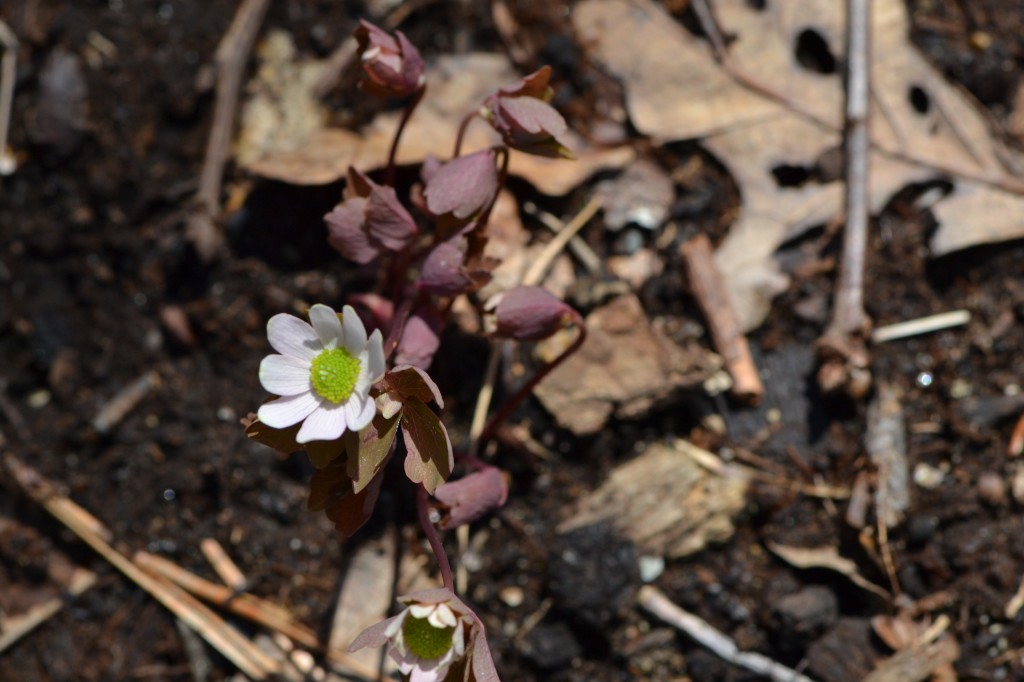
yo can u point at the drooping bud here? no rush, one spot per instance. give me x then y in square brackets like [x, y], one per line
[393, 66]
[471, 497]
[524, 119]
[531, 313]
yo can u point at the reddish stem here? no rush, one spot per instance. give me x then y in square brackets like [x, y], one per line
[389, 174]
[514, 402]
[422, 507]
[462, 132]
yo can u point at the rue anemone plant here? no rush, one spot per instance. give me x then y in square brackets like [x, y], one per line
[343, 393]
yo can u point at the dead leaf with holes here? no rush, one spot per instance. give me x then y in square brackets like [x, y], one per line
[775, 122]
[457, 85]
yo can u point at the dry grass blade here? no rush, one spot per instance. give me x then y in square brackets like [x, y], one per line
[656, 603]
[13, 629]
[8, 74]
[246, 656]
[222, 564]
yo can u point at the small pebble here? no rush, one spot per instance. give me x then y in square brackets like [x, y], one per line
[511, 596]
[991, 488]
[651, 567]
[927, 476]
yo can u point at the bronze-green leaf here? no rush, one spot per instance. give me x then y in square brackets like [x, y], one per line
[412, 382]
[370, 449]
[430, 458]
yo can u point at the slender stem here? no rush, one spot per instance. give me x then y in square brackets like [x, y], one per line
[389, 174]
[462, 132]
[512, 403]
[398, 321]
[433, 538]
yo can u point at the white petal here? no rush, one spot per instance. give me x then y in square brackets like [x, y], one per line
[359, 412]
[355, 332]
[285, 375]
[442, 617]
[291, 336]
[287, 411]
[375, 346]
[327, 325]
[326, 423]
[421, 610]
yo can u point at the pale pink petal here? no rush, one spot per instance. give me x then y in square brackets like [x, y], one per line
[355, 332]
[285, 375]
[325, 423]
[373, 636]
[289, 335]
[287, 411]
[359, 413]
[376, 365]
[327, 325]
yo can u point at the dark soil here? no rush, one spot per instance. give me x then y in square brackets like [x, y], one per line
[93, 262]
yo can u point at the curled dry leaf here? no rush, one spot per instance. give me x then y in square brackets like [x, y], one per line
[623, 368]
[825, 557]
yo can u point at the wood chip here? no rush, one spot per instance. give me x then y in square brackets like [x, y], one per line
[665, 502]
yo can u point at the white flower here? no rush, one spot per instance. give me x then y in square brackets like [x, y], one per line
[323, 373]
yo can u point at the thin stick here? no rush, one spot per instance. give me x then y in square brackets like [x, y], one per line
[586, 256]
[922, 325]
[246, 656]
[708, 286]
[13, 629]
[539, 268]
[484, 397]
[706, 16]
[8, 73]
[126, 400]
[656, 603]
[246, 605]
[848, 316]
[231, 58]
[226, 569]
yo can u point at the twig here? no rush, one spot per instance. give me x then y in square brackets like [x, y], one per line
[653, 601]
[922, 325]
[1016, 444]
[8, 74]
[13, 629]
[844, 358]
[246, 656]
[848, 316]
[539, 268]
[226, 569]
[126, 400]
[231, 57]
[708, 286]
[586, 256]
[246, 605]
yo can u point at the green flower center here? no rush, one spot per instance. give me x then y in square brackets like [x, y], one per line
[424, 640]
[334, 374]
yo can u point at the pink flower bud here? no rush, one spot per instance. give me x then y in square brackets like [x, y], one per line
[393, 66]
[524, 119]
[530, 313]
[471, 497]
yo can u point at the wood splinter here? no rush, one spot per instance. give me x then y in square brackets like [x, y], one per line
[708, 287]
